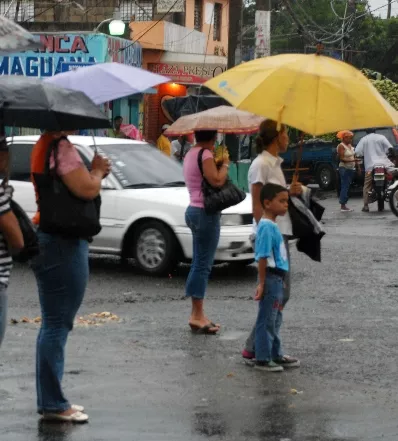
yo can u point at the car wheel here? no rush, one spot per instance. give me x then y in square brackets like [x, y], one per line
[326, 177]
[155, 248]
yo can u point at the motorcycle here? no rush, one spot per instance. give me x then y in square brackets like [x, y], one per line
[381, 186]
[392, 193]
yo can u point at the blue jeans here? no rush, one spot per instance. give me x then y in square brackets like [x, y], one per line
[3, 311]
[268, 344]
[205, 235]
[346, 176]
[61, 271]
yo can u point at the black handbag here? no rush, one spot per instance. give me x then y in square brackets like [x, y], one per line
[61, 212]
[217, 199]
[31, 243]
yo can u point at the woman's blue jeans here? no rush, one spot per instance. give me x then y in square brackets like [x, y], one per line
[346, 176]
[205, 235]
[61, 271]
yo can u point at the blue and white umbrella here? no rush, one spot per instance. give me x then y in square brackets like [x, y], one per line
[108, 81]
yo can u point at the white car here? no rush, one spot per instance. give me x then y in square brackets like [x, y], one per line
[143, 205]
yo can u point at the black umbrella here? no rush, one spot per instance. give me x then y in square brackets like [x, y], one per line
[28, 102]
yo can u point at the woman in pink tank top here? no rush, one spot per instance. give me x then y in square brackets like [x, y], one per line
[205, 227]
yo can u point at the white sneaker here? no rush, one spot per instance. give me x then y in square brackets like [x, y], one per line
[268, 366]
[77, 408]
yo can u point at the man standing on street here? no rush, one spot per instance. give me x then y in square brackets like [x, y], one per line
[116, 132]
[163, 143]
[374, 148]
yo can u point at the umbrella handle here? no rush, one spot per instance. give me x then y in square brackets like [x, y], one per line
[299, 156]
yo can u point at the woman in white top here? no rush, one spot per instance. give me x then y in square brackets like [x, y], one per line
[346, 155]
[266, 168]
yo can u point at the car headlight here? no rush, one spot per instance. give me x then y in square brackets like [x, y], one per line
[231, 220]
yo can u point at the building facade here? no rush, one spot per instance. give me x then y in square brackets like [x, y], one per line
[189, 45]
[61, 52]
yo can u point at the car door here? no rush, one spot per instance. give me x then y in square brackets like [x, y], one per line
[20, 153]
[108, 241]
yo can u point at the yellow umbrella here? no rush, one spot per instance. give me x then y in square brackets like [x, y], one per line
[313, 93]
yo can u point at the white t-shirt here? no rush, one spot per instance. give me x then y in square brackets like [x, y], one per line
[266, 168]
[374, 149]
[176, 148]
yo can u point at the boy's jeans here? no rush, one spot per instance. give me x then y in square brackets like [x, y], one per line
[269, 320]
[249, 345]
[205, 235]
[3, 311]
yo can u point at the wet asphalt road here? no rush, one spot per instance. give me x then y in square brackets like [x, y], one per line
[148, 379]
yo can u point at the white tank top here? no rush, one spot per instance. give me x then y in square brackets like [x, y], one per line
[349, 153]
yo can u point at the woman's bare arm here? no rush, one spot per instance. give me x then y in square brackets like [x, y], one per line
[214, 176]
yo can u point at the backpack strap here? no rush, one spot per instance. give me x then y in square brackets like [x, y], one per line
[200, 161]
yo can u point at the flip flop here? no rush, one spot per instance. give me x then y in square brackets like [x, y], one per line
[204, 330]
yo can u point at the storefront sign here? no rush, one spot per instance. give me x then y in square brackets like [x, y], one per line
[60, 53]
[167, 6]
[67, 67]
[188, 73]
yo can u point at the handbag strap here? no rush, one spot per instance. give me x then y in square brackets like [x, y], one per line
[200, 161]
[52, 149]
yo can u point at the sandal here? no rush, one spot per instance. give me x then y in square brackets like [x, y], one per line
[205, 330]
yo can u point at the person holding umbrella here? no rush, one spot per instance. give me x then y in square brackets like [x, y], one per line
[266, 168]
[61, 271]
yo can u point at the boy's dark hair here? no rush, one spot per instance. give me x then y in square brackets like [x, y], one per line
[117, 117]
[270, 191]
[205, 135]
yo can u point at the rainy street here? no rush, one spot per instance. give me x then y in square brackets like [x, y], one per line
[144, 377]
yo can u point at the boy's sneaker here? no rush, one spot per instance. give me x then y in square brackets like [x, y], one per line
[287, 362]
[268, 366]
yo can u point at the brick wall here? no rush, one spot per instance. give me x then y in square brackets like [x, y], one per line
[46, 11]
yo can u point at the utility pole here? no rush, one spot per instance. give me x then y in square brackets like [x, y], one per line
[235, 8]
[389, 10]
[263, 28]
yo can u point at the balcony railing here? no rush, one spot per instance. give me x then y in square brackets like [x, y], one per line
[181, 39]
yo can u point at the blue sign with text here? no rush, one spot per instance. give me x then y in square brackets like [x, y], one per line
[67, 67]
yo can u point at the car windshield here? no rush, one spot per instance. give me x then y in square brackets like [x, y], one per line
[142, 166]
[387, 132]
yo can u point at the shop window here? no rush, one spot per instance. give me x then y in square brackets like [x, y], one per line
[198, 15]
[26, 11]
[141, 10]
[217, 22]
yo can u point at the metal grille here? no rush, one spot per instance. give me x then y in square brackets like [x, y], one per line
[217, 22]
[26, 10]
[142, 10]
[198, 15]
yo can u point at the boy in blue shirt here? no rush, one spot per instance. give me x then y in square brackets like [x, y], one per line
[273, 264]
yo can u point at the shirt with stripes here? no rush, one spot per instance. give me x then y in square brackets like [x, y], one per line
[5, 257]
